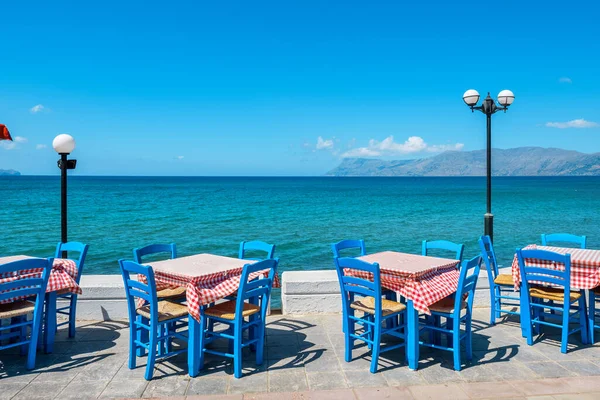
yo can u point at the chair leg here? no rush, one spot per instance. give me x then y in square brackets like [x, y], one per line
[469, 337]
[260, 345]
[23, 333]
[50, 322]
[376, 346]
[72, 315]
[133, 334]
[583, 320]
[152, 349]
[565, 328]
[591, 315]
[237, 350]
[493, 305]
[349, 341]
[456, 342]
[142, 336]
[498, 301]
[35, 331]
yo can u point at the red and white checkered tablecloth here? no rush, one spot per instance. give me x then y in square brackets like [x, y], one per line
[62, 277]
[205, 289]
[585, 266]
[424, 287]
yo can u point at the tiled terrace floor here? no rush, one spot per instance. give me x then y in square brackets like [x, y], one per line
[305, 355]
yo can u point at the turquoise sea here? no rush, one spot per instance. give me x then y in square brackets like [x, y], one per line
[302, 216]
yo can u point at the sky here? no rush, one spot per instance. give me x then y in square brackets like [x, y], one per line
[289, 87]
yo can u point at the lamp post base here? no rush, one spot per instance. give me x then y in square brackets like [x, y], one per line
[488, 225]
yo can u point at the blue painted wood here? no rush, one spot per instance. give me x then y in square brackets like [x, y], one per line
[347, 245]
[498, 293]
[469, 273]
[157, 332]
[256, 291]
[351, 287]
[593, 316]
[554, 275]
[70, 311]
[455, 248]
[32, 287]
[152, 249]
[256, 246]
[563, 238]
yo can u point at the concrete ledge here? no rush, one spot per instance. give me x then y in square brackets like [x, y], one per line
[103, 298]
[318, 292]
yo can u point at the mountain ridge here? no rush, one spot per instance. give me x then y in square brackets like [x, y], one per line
[519, 161]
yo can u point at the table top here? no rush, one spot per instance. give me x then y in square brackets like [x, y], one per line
[6, 260]
[198, 265]
[407, 263]
[576, 254]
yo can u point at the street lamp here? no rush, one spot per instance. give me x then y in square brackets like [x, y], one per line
[64, 144]
[489, 107]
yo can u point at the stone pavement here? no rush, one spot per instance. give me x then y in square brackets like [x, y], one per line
[304, 360]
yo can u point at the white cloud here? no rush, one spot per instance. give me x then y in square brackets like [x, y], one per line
[576, 123]
[8, 145]
[324, 144]
[565, 79]
[37, 108]
[40, 146]
[388, 147]
[180, 157]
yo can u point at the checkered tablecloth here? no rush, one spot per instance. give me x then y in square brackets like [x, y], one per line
[206, 289]
[585, 266]
[62, 277]
[424, 288]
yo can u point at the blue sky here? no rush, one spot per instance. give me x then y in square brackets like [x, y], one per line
[248, 88]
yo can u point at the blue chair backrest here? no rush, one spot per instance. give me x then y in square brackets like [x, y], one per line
[349, 244]
[564, 238]
[30, 279]
[256, 246]
[556, 268]
[351, 285]
[70, 247]
[154, 249]
[443, 245]
[489, 258]
[138, 289]
[257, 288]
[467, 283]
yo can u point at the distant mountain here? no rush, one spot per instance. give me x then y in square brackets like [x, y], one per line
[521, 161]
[9, 172]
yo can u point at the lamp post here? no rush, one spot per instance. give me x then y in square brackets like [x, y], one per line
[64, 144]
[489, 107]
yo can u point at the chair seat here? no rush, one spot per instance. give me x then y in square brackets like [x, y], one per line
[166, 310]
[367, 304]
[504, 280]
[16, 309]
[168, 294]
[446, 305]
[226, 310]
[547, 293]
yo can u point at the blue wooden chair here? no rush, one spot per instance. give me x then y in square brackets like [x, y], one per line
[457, 310]
[536, 299]
[455, 248]
[71, 309]
[256, 246]
[347, 245]
[376, 310]
[501, 285]
[564, 238]
[28, 287]
[247, 311]
[153, 250]
[152, 317]
[593, 313]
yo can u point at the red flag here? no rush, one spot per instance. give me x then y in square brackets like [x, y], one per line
[4, 133]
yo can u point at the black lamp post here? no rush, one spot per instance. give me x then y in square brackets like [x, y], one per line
[489, 107]
[64, 144]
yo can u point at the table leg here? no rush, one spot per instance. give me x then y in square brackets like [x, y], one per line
[412, 336]
[50, 322]
[522, 317]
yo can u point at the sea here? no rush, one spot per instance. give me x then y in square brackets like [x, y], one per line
[302, 216]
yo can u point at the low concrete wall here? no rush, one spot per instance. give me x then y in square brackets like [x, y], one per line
[318, 292]
[302, 292]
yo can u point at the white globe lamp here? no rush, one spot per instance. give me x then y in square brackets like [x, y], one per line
[506, 98]
[471, 97]
[63, 144]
